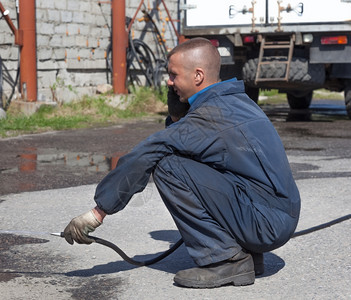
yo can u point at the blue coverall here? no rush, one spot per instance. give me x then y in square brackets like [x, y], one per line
[221, 171]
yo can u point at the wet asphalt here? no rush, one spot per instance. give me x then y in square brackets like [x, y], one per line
[46, 179]
[84, 156]
[68, 158]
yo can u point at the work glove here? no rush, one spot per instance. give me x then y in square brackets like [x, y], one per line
[79, 228]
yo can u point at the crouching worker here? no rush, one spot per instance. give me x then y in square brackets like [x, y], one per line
[221, 171]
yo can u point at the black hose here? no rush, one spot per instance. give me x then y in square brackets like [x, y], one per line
[322, 226]
[122, 254]
[10, 80]
[141, 60]
[144, 57]
[141, 54]
[8, 102]
[6, 77]
[1, 82]
[132, 261]
[180, 242]
[158, 34]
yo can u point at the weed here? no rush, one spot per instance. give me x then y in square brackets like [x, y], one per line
[59, 84]
[87, 112]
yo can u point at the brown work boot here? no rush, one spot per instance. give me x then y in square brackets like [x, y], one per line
[238, 270]
[258, 263]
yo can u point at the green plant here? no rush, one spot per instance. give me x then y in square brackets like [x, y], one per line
[269, 97]
[86, 112]
[325, 94]
[269, 93]
[38, 122]
[60, 84]
[146, 100]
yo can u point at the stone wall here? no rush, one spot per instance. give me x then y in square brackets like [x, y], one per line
[72, 39]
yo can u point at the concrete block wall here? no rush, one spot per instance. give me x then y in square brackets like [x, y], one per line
[9, 53]
[72, 38]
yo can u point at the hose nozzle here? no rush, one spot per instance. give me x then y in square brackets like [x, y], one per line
[60, 234]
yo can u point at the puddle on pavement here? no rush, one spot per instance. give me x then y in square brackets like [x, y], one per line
[47, 168]
[33, 159]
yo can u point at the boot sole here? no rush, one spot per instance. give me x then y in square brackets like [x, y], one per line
[237, 280]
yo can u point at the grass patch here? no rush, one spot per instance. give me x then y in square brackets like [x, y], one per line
[325, 94]
[87, 112]
[145, 101]
[270, 97]
[43, 120]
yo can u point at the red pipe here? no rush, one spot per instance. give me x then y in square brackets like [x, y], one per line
[119, 47]
[28, 65]
[8, 19]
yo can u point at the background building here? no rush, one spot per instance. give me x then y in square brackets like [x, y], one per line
[73, 40]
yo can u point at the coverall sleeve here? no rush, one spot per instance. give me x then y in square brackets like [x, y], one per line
[133, 170]
[130, 176]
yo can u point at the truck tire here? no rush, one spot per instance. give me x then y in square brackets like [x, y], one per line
[299, 102]
[347, 93]
[301, 71]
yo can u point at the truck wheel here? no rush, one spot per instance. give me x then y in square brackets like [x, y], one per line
[301, 71]
[299, 102]
[347, 92]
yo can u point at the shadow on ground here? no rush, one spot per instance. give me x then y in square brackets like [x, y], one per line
[176, 261]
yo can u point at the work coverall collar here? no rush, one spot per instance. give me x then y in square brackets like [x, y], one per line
[233, 84]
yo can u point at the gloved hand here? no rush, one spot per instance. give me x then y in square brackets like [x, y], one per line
[79, 228]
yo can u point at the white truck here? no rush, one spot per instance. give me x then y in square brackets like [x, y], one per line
[293, 46]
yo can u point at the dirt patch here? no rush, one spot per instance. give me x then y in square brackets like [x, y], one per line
[36, 266]
[98, 288]
[10, 240]
[6, 242]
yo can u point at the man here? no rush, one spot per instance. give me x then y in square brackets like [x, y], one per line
[221, 170]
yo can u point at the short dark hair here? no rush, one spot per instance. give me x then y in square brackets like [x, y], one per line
[191, 44]
[211, 60]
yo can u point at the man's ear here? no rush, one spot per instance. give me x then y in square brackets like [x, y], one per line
[199, 76]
